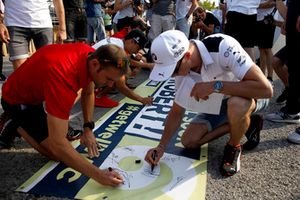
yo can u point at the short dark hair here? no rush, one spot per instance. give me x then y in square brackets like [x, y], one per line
[137, 23]
[111, 54]
[138, 36]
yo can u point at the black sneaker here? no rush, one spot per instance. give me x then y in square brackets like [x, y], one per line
[253, 132]
[281, 99]
[231, 160]
[2, 77]
[8, 135]
[4, 117]
[73, 134]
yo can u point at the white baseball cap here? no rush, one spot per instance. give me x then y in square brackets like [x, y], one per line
[166, 50]
[109, 40]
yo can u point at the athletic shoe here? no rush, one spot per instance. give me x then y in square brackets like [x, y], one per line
[253, 132]
[281, 116]
[105, 102]
[4, 117]
[231, 160]
[270, 79]
[73, 134]
[294, 137]
[2, 77]
[281, 99]
[8, 135]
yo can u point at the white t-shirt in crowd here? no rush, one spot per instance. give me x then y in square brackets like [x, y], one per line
[262, 12]
[28, 13]
[182, 8]
[248, 7]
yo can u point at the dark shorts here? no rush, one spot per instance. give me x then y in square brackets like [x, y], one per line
[20, 38]
[242, 28]
[32, 118]
[282, 54]
[264, 35]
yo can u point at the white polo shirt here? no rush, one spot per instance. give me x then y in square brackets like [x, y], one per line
[248, 7]
[223, 59]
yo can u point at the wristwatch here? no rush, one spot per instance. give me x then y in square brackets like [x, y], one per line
[218, 85]
[90, 125]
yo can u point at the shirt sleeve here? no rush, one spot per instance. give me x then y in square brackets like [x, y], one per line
[233, 57]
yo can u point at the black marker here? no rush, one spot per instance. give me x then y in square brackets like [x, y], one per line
[154, 155]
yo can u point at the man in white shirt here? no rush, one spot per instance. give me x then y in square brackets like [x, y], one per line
[241, 23]
[225, 68]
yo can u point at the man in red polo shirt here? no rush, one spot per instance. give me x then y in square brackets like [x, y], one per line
[40, 95]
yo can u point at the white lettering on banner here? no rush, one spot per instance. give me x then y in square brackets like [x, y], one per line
[150, 121]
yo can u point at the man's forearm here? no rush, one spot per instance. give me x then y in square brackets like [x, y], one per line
[172, 124]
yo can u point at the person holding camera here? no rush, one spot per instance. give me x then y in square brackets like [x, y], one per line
[265, 35]
[204, 24]
[126, 11]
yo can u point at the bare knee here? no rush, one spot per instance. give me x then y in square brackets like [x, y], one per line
[191, 138]
[238, 107]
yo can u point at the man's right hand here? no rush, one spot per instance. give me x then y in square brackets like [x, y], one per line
[4, 35]
[149, 157]
[111, 178]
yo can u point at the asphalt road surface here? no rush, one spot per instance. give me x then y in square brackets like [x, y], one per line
[271, 171]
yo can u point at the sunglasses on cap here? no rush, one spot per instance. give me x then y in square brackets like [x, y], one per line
[123, 63]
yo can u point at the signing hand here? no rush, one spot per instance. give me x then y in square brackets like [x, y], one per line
[111, 178]
[149, 158]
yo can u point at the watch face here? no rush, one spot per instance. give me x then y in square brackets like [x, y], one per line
[218, 86]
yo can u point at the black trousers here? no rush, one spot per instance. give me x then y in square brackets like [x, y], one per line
[293, 57]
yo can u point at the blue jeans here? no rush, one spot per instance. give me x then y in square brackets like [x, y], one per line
[95, 25]
[76, 24]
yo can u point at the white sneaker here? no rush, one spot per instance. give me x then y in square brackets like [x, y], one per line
[294, 137]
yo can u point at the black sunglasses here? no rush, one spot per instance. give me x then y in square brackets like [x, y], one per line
[123, 63]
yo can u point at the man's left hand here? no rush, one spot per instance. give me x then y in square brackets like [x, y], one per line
[201, 90]
[88, 139]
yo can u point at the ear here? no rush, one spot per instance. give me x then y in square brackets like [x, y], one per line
[94, 63]
[187, 55]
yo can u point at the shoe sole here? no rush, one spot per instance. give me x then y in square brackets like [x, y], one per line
[281, 103]
[285, 121]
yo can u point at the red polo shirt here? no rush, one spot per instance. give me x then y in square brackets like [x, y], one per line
[53, 75]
